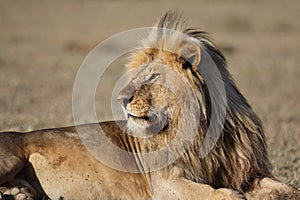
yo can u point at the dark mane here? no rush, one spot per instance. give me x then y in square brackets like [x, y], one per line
[240, 154]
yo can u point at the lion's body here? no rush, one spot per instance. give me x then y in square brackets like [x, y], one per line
[166, 97]
[56, 165]
[66, 169]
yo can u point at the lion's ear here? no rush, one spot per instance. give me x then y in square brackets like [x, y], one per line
[191, 53]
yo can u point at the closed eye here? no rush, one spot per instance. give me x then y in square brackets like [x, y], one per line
[153, 77]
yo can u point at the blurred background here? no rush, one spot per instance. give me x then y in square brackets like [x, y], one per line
[43, 43]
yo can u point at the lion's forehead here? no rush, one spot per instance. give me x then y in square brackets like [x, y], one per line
[152, 56]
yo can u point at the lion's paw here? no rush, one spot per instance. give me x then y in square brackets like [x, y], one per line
[15, 193]
[270, 189]
[227, 194]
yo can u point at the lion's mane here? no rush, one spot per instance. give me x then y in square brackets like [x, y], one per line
[239, 156]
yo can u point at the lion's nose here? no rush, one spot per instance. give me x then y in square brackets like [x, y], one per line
[125, 100]
[126, 95]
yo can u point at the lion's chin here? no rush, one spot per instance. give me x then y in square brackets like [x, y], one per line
[137, 124]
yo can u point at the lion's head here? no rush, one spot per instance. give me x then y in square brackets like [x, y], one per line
[153, 99]
[168, 94]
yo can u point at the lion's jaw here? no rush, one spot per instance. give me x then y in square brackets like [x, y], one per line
[139, 111]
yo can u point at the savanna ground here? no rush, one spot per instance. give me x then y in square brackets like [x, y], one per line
[43, 43]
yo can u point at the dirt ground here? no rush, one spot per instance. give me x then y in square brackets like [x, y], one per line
[43, 43]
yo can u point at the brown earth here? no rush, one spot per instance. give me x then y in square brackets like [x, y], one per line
[42, 44]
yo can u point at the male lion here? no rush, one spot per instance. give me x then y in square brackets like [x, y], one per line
[169, 104]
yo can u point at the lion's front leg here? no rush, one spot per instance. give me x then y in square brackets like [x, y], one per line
[271, 189]
[182, 189]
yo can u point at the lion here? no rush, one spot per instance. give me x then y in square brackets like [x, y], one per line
[168, 104]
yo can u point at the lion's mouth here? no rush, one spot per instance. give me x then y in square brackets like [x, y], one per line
[143, 120]
[153, 122]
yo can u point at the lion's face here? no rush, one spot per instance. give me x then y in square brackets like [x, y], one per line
[154, 97]
[148, 100]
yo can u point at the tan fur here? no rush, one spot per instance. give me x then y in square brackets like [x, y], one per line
[168, 93]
